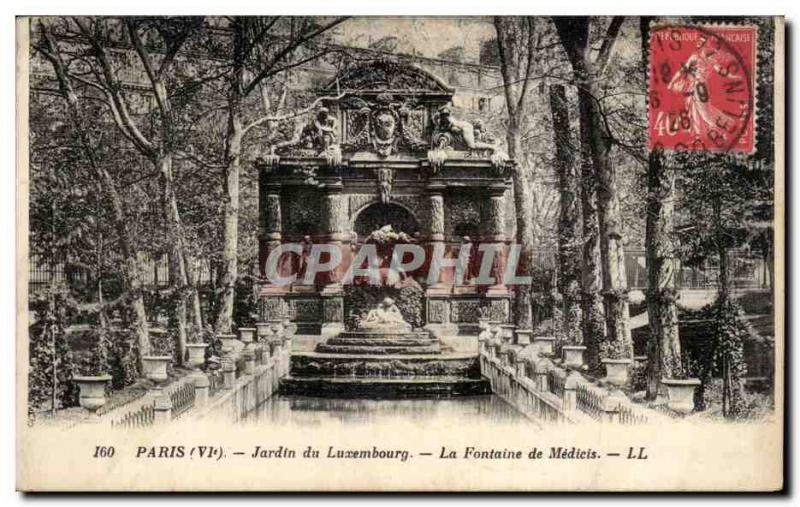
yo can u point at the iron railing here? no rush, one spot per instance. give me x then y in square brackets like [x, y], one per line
[182, 399]
[142, 417]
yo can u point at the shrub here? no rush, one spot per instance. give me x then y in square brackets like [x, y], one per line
[50, 359]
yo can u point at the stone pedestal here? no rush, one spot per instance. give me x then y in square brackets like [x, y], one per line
[249, 357]
[163, 409]
[438, 315]
[332, 314]
[228, 373]
[201, 388]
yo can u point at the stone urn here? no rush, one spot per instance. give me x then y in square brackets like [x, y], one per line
[263, 330]
[155, 368]
[681, 394]
[230, 343]
[572, 355]
[289, 327]
[197, 354]
[277, 331]
[523, 336]
[508, 332]
[617, 371]
[92, 389]
[545, 344]
[247, 334]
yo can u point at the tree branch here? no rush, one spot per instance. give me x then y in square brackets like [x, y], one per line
[122, 117]
[301, 112]
[608, 44]
[268, 68]
[504, 68]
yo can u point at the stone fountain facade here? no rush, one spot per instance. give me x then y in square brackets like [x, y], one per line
[383, 148]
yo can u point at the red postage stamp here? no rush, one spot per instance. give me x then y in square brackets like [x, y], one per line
[701, 93]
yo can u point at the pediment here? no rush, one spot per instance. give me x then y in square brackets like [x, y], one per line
[387, 76]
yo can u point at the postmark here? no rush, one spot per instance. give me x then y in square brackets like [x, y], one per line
[701, 88]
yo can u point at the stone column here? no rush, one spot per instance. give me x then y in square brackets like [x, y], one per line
[338, 236]
[270, 222]
[435, 233]
[437, 293]
[494, 222]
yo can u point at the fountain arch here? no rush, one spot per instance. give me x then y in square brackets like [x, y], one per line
[376, 214]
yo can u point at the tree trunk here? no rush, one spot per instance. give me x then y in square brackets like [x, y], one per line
[663, 344]
[574, 36]
[612, 255]
[131, 271]
[523, 204]
[195, 308]
[569, 233]
[724, 272]
[593, 325]
[230, 267]
[602, 222]
[615, 280]
[177, 257]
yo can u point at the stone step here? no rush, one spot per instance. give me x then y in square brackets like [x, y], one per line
[385, 388]
[382, 342]
[315, 364]
[377, 349]
[415, 335]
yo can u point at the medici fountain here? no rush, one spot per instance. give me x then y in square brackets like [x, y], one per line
[385, 150]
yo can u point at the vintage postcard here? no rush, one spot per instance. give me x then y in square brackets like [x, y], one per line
[276, 253]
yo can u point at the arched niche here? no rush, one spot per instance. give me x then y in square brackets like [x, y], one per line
[376, 215]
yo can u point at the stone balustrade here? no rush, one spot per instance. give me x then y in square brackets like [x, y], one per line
[250, 375]
[529, 379]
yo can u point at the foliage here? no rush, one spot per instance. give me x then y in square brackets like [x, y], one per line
[724, 203]
[122, 355]
[731, 330]
[638, 376]
[245, 306]
[96, 361]
[675, 368]
[51, 364]
[613, 349]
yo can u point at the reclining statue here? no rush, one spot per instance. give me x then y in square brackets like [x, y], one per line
[385, 317]
[449, 132]
[319, 134]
